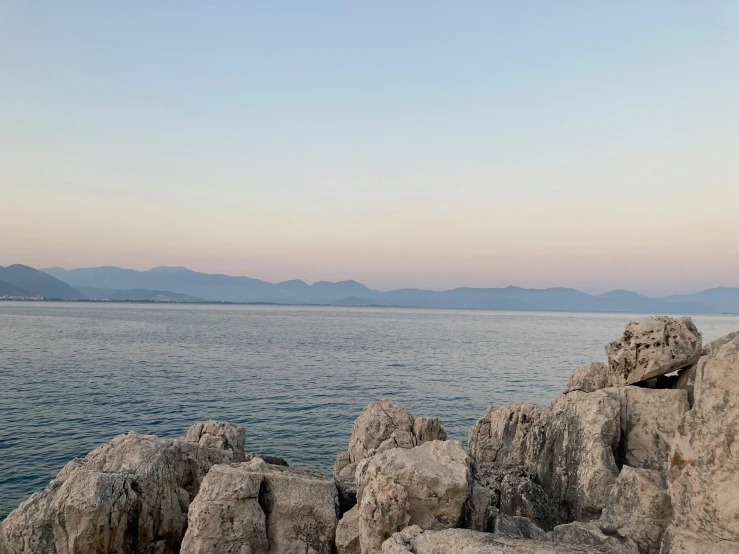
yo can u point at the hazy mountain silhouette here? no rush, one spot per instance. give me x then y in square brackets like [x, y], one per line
[6, 289]
[218, 287]
[38, 283]
[719, 299]
[137, 295]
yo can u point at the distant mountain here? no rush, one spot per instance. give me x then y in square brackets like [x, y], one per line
[38, 283]
[218, 287]
[6, 289]
[136, 295]
[719, 299]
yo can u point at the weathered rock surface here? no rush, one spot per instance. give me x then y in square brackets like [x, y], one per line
[519, 527]
[343, 466]
[382, 426]
[226, 516]
[703, 469]
[680, 541]
[414, 540]
[511, 490]
[590, 378]
[253, 504]
[713, 346]
[638, 508]
[128, 496]
[347, 533]
[218, 435]
[590, 534]
[653, 346]
[571, 444]
[649, 419]
[427, 429]
[425, 486]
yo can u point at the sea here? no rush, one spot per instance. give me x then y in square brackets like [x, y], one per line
[74, 375]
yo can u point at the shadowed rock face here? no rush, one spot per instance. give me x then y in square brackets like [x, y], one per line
[414, 540]
[262, 508]
[512, 490]
[129, 496]
[570, 444]
[652, 347]
[703, 468]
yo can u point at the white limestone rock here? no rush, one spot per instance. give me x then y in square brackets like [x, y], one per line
[703, 468]
[347, 533]
[652, 347]
[129, 496]
[638, 508]
[649, 419]
[425, 486]
[590, 378]
[253, 504]
[571, 444]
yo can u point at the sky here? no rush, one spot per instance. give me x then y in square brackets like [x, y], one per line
[428, 144]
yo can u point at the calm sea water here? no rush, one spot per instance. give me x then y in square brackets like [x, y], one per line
[72, 376]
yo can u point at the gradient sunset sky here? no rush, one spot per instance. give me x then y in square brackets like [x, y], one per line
[592, 144]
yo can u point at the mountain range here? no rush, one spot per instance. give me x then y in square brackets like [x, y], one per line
[179, 284]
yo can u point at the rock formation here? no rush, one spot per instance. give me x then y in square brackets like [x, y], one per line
[262, 508]
[128, 496]
[384, 425]
[570, 444]
[426, 486]
[703, 469]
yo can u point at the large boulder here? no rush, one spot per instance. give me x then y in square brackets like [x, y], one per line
[426, 486]
[226, 514]
[382, 426]
[652, 347]
[414, 540]
[262, 508]
[128, 496]
[638, 508]
[590, 378]
[570, 444]
[703, 468]
[649, 419]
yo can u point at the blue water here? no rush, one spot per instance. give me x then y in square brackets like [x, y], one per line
[72, 375]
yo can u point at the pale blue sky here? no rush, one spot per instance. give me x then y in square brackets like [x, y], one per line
[436, 144]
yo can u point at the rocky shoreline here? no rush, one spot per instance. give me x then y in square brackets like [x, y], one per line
[637, 456]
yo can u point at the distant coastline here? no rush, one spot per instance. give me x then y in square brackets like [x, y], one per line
[182, 285]
[298, 304]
